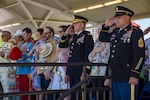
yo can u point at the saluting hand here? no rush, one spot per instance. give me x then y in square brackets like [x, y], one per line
[109, 22]
[69, 30]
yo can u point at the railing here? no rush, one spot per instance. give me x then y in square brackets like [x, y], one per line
[74, 89]
[84, 89]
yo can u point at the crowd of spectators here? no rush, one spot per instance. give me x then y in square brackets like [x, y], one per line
[74, 44]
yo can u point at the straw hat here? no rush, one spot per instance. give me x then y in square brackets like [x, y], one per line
[46, 49]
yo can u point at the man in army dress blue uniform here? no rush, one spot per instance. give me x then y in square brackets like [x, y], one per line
[80, 47]
[127, 53]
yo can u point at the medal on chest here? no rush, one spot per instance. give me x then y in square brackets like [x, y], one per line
[126, 38]
[113, 37]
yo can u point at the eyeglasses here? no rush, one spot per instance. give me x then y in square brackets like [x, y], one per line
[47, 33]
[60, 31]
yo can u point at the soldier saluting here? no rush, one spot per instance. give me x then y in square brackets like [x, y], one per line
[80, 47]
[127, 53]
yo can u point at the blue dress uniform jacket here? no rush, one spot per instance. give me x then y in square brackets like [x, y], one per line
[127, 51]
[80, 47]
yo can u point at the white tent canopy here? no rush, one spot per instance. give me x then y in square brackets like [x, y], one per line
[18, 14]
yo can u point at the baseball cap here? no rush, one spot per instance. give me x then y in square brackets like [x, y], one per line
[18, 33]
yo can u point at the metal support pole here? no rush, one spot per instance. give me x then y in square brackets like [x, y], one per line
[84, 85]
[110, 92]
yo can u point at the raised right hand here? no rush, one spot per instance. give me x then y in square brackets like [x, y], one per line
[109, 22]
[69, 30]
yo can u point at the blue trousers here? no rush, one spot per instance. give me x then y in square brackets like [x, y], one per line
[122, 91]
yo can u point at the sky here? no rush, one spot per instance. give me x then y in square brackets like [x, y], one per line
[144, 23]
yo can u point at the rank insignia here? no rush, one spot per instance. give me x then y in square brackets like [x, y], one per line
[140, 43]
[81, 39]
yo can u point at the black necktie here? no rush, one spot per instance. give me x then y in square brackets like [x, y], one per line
[119, 31]
[75, 37]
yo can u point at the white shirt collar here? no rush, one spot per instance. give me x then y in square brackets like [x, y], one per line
[78, 32]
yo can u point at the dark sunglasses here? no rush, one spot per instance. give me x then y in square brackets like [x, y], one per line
[47, 33]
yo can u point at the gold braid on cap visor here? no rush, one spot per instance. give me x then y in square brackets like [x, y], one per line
[79, 20]
[127, 12]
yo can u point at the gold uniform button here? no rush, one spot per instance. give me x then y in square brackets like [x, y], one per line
[127, 65]
[125, 29]
[114, 46]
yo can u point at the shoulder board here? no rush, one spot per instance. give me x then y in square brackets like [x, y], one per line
[116, 29]
[87, 32]
[134, 27]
